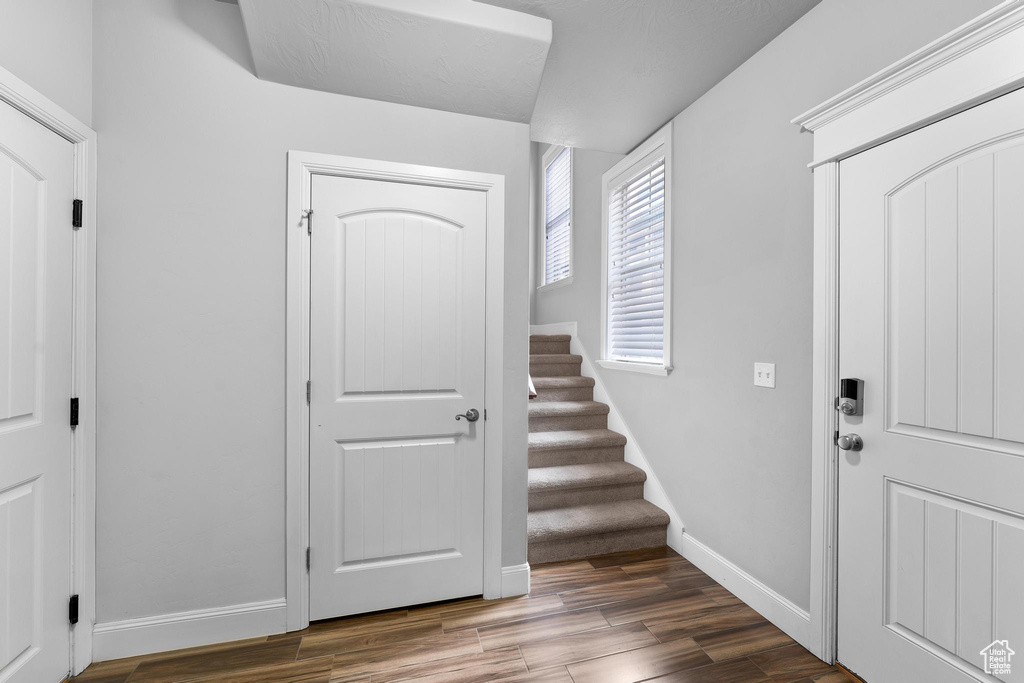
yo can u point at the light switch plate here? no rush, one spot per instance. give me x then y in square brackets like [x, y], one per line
[764, 375]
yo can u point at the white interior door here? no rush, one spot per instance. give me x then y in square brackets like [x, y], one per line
[931, 516]
[396, 352]
[36, 192]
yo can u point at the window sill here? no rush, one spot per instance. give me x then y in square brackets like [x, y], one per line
[643, 368]
[556, 284]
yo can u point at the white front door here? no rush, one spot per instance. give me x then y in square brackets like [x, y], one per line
[396, 352]
[36, 193]
[931, 511]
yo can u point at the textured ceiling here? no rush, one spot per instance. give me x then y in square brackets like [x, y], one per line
[619, 69]
[454, 55]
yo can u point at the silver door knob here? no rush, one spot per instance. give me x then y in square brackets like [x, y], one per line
[471, 415]
[850, 442]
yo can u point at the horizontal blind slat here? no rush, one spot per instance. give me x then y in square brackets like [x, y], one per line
[636, 257]
[558, 217]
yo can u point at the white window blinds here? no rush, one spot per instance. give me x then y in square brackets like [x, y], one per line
[558, 217]
[636, 267]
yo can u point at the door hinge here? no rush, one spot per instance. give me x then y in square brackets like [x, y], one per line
[309, 390]
[76, 214]
[308, 215]
[307, 558]
[74, 412]
[73, 610]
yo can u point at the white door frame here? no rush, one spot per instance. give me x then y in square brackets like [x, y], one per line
[301, 167]
[973, 64]
[31, 102]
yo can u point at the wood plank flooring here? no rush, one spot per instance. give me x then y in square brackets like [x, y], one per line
[646, 615]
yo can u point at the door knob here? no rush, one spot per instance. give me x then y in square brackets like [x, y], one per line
[471, 415]
[850, 442]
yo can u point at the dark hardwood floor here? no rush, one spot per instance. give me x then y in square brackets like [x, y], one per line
[645, 615]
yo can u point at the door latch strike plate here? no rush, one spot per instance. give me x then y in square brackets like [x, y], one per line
[73, 610]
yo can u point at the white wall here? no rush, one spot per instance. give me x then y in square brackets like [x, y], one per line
[48, 44]
[735, 459]
[191, 297]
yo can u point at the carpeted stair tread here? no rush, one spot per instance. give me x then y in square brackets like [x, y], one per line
[555, 359]
[586, 520]
[566, 477]
[562, 382]
[582, 438]
[567, 408]
[550, 337]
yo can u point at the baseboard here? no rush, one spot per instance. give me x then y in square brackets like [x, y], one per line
[515, 580]
[146, 635]
[653, 490]
[789, 617]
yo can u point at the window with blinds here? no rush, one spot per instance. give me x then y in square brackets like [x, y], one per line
[558, 217]
[636, 267]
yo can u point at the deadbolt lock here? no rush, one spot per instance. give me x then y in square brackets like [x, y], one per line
[851, 396]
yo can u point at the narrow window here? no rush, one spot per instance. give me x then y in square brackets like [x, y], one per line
[557, 215]
[636, 248]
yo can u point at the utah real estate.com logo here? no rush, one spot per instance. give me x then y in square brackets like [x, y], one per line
[997, 658]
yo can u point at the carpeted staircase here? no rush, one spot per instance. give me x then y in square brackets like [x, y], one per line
[585, 499]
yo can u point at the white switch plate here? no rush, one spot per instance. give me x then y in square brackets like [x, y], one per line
[764, 375]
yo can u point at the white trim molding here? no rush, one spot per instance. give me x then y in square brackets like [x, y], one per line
[556, 284]
[515, 580]
[301, 168]
[971, 65]
[26, 99]
[824, 418]
[642, 368]
[146, 635]
[658, 144]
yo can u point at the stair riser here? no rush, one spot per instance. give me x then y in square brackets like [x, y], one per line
[597, 544]
[576, 456]
[549, 347]
[547, 500]
[555, 369]
[568, 423]
[567, 394]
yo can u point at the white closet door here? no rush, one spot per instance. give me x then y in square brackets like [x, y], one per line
[396, 352]
[36, 193]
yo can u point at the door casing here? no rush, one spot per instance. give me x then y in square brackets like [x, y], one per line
[35, 105]
[301, 167]
[964, 68]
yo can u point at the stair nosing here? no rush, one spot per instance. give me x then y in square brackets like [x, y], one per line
[627, 474]
[555, 359]
[603, 438]
[567, 409]
[564, 382]
[652, 515]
